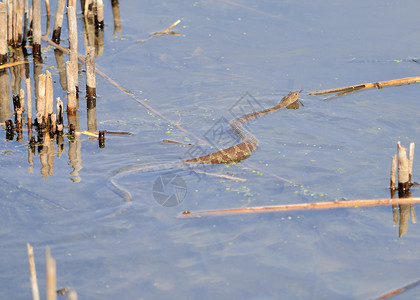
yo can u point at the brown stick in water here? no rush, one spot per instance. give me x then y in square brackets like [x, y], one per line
[300, 206]
[363, 86]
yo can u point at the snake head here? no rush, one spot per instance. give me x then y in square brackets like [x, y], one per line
[290, 98]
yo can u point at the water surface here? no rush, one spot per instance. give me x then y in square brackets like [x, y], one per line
[328, 150]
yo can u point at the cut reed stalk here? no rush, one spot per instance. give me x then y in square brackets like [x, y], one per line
[72, 26]
[393, 173]
[90, 74]
[18, 27]
[3, 33]
[9, 23]
[410, 161]
[36, 25]
[40, 99]
[49, 98]
[58, 23]
[403, 176]
[32, 272]
[51, 276]
[71, 88]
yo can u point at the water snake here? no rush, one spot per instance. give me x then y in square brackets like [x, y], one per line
[235, 153]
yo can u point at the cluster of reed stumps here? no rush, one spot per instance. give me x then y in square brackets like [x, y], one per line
[402, 212]
[20, 39]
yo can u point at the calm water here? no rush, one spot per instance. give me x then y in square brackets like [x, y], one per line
[329, 150]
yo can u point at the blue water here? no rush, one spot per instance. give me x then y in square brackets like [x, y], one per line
[328, 150]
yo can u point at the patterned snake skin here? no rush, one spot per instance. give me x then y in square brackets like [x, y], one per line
[232, 154]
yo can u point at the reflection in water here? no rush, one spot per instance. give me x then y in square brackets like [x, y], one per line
[46, 135]
[116, 15]
[401, 213]
[5, 111]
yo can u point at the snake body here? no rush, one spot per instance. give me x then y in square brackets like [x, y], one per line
[235, 153]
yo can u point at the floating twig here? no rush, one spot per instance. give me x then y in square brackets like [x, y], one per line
[12, 64]
[175, 142]
[300, 206]
[363, 86]
[167, 31]
[398, 290]
[221, 175]
[96, 133]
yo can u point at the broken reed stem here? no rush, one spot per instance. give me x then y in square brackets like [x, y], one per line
[393, 172]
[363, 86]
[51, 276]
[32, 272]
[403, 178]
[3, 33]
[72, 26]
[72, 3]
[47, 7]
[90, 73]
[36, 25]
[29, 101]
[40, 99]
[410, 161]
[300, 206]
[14, 22]
[72, 295]
[58, 23]
[10, 24]
[18, 24]
[71, 88]
[48, 96]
